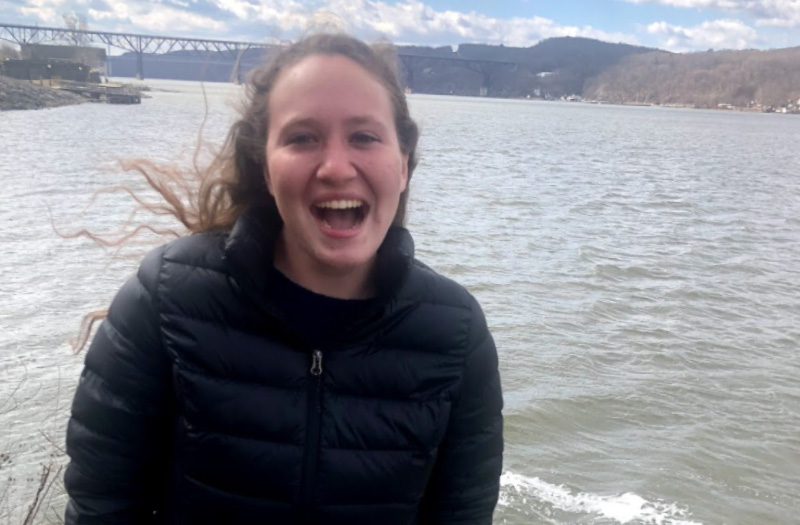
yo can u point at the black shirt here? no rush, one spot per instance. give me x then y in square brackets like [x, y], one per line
[319, 318]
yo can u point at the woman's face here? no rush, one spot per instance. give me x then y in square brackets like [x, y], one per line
[333, 165]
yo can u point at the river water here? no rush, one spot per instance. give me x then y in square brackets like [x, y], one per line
[639, 268]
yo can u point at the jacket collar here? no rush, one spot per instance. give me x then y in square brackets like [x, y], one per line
[249, 251]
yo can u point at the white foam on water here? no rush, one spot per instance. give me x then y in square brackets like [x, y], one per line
[624, 508]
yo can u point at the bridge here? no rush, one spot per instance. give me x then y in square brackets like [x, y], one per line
[132, 42]
[140, 45]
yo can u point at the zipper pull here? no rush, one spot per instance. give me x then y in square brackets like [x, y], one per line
[316, 363]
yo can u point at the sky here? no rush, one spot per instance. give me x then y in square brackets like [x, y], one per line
[673, 25]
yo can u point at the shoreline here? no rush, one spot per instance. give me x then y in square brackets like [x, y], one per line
[24, 95]
[18, 95]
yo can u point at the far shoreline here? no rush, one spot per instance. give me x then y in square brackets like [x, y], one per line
[26, 95]
[16, 95]
[23, 95]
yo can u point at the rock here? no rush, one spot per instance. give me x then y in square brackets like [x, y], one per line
[21, 94]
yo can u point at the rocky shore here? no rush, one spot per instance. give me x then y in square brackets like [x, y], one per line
[21, 94]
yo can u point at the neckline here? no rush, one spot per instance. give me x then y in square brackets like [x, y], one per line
[249, 250]
[282, 281]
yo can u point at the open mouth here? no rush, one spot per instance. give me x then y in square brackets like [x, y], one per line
[340, 214]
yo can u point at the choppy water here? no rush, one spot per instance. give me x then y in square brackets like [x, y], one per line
[639, 268]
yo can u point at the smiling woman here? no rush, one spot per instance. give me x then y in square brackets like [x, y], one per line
[290, 361]
[336, 172]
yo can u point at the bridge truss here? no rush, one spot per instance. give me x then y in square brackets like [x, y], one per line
[134, 43]
[152, 44]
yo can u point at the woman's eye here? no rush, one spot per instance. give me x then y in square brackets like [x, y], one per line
[301, 139]
[364, 138]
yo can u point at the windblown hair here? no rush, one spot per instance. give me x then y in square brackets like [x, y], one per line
[213, 197]
[235, 180]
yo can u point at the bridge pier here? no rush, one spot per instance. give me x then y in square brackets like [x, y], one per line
[489, 72]
[139, 65]
[410, 80]
[236, 75]
[409, 63]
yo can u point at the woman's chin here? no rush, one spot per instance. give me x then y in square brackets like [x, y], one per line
[344, 261]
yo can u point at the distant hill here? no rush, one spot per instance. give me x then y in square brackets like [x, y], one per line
[553, 68]
[709, 79]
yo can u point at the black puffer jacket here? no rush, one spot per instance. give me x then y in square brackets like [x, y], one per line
[199, 405]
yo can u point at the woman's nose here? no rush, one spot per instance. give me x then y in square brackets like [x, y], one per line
[337, 163]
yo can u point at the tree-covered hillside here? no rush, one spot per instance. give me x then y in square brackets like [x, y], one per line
[710, 79]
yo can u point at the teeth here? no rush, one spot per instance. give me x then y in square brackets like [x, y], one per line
[340, 205]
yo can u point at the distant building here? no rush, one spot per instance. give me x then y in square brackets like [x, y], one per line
[50, 64]
[48, 71]
[94, 57]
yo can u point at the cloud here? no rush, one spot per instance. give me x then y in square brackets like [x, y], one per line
[168, 16]
[415, 21]
[780, 13]
[717, 34]
[407, 21]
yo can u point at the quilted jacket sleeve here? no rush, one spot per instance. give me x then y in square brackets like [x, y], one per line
[465, 484]
[119, 432]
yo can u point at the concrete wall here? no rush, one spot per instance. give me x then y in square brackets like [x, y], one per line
[91, 56]
[46, 70]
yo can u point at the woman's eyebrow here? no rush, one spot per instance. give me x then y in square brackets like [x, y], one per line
[356, 120]
[364, 119]
[299, 121]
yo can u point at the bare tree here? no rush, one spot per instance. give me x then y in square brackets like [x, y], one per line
[706, 79]
[76, 22]
[7, 51]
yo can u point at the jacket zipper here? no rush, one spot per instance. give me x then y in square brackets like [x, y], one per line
[312, 440]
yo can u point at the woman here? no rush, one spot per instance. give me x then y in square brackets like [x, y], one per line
[291, 362]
